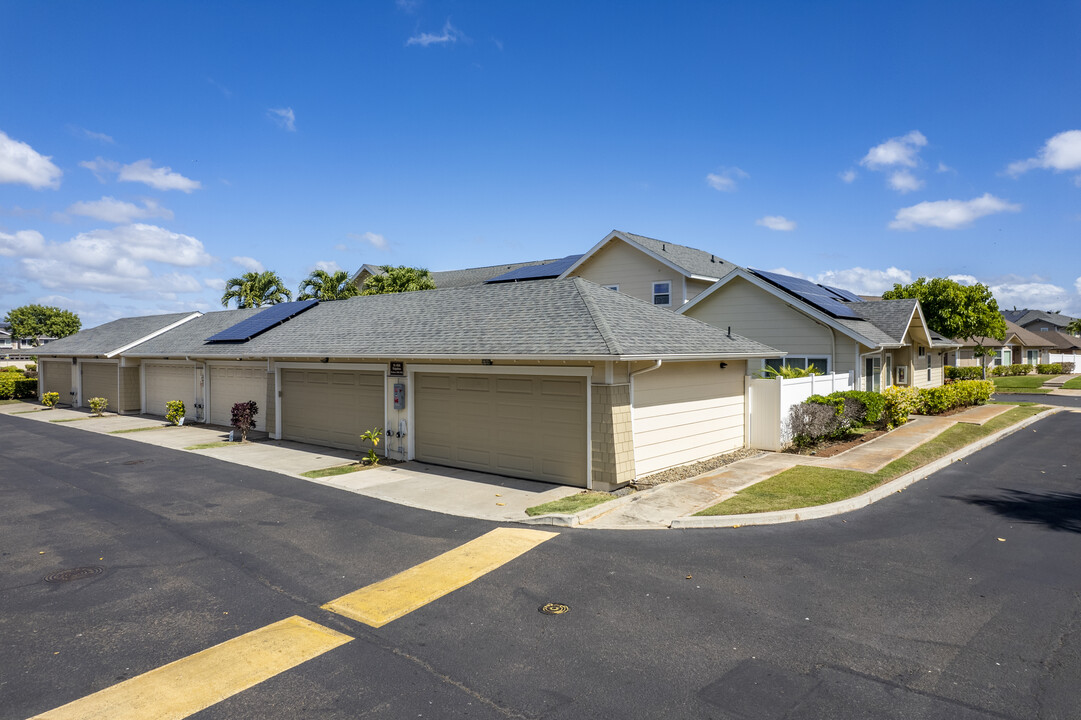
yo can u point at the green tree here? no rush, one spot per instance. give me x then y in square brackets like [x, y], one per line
[398, 279]
[321, 285]
[255, 289]
[1074, 327]
[962, 312]
[33, 321]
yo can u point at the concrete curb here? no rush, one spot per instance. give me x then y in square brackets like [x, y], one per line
[844, 506]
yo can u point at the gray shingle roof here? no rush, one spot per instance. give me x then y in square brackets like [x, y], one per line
[570, 318]
[890, 316]
[111, 336]
[692, 260]
[476, 276]
[1025, 318]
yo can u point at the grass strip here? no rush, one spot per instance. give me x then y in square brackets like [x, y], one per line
[336, 470]
[1073, 384]
[70, 419]
[1019, 381]
[142, 429]
[806, 486]
[1021, 390]
[27, 412]
[207, 446]
[570, 504]
[11, 401]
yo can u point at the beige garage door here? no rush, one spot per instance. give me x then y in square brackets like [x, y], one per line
[686, 412]
[527, 426]
[101, 380]
[170, 382]
[57, 378]
[231, 384]
[332, 407]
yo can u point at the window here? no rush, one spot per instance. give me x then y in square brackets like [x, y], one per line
[928, 367]
[1044, 329]
[872, 375]
[889, 370]
[923, 351]
[662, 293]
[611, 287]
[822, 365]
[1032, 357]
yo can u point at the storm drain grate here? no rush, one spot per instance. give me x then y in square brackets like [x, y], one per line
[554, 608]
[79, 573]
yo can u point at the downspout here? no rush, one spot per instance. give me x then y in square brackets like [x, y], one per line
[833, 343]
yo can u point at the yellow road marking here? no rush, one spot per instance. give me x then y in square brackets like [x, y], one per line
[389, 599]
[198, 681]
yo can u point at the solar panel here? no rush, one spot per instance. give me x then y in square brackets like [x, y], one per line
[551, 269]
[809, 292]
[262, 321]
[846, 295]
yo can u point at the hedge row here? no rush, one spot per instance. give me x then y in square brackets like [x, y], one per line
[16, 386]
[972, 372]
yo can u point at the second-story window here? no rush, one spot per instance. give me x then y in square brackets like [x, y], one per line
[662, 293]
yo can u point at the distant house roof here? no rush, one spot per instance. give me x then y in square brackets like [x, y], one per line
[543, 271]
[1061, 341]
[1014, 334]
[1026, 317]
[556, 319]
[114, 337]
[688, 261]
[459, 278]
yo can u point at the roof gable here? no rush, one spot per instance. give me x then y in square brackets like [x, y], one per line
[687, 261]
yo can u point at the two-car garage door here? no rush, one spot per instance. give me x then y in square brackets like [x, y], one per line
[527, 426]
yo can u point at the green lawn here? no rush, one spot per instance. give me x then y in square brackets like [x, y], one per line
[570, 504]
[142, 429]
[336, 470]
[207, 446]
[1021, 384]
[1074, 384]
[807, 486]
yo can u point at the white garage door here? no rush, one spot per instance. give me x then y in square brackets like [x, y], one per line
[527, 426]
[57, 378]
[231, 384]
[332, 407]
[170, 382]
[101, 380]
[686, 412]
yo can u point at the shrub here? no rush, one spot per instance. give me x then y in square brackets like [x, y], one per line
[174, 411]
[98, 405]
[373, 436]
[10, 368]
[31, 367]
[1049, 369]
[973, 372]
[809, 422]
[874, 404]
[936, 400]
[15, 386]
[50, 399]
[243, 418]
[1067, 368]
[787, 372]
[1015, 369]
[901, 401]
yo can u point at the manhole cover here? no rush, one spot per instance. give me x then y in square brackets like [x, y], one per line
[70, 574]
[554, 608]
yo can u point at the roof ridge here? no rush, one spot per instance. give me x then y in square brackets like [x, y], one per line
[594, 311]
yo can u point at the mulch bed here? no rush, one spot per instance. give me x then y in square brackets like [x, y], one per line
[829, 448]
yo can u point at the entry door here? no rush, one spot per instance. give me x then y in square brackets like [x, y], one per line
[872, 380]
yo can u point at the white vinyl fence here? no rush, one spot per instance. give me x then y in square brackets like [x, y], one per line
[1059, 357]
[768, 401]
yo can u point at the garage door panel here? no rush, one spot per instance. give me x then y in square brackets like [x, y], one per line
[57, 379]
[169, 382]
[514, 425]
[100, 380]
[231, 384]
[331, 407]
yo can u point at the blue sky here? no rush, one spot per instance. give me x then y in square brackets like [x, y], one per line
[151, 150]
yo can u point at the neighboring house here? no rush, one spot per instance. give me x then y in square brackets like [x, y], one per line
[883, 343]
[1038, 320]
[661, 273]
[1019, 347]
[13, 345]
[443, 279]
[553, 380]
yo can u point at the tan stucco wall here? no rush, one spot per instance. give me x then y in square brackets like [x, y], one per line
[613, 449]
[617, 263]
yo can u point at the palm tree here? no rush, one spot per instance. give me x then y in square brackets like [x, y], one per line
[321, 285]
[1074, 328]
[253, 289]
[398, 279]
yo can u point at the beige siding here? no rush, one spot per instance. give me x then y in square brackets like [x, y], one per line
[101, 380]
[758, 315]
[617, 263]
[165, 382]
[271, 404]
[685, 412]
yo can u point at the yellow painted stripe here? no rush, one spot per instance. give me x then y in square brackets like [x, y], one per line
[389, 599]
[198, 681]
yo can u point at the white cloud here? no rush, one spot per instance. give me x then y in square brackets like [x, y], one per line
[109, 209]
[448, 35]
[23, 165]
[374, 239]
[284, 117]
[216, 284]
[115, 261]
[944, 168]
[100, 137]
[725, 179]
[862, 281]
[162, 178]
[22, 244]
[776, 222]
[950, 214]
[327, 266]
[248, 263]
[848, 175]
[904, 182]
[1077, 285]
[1031, 294]
[902, 150]
[963, 279]
[409, 6]
[100, 167]
[1060, 153]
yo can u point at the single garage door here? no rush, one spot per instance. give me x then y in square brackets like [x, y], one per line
[527, 426]
[231, 384]
[170, 382]
[101, 380]
[57, 378]
[332, 407]
[686, 412]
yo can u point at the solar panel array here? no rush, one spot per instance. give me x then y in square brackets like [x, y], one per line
[826, 299]
[847, 295]
[537, 272]
[262, 321]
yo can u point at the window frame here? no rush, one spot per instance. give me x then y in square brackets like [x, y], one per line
[667, 293]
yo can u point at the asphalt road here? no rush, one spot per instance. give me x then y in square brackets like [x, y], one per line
[959, 597]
